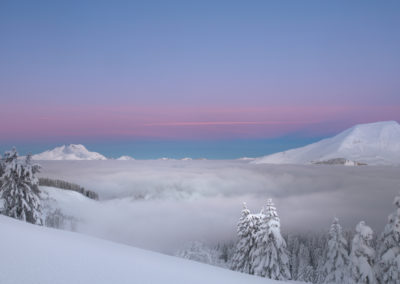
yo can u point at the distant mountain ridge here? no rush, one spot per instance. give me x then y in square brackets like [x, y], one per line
[364, 144]
[69, 152]
[372, 144]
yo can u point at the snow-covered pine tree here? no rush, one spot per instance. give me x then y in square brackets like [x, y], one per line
[19, 189]
[270, 258]
[246, 237]
[362, 255]
[318, 244]
[388, 264]
[305, 271]
[337, 259]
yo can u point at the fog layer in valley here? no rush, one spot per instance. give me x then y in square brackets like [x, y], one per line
[160, 205]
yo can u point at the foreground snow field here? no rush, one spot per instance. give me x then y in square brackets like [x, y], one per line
[33, 254]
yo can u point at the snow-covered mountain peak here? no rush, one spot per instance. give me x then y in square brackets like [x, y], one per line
[72, 148]
[69, 152]
[372, 143]
[125, 158]
[379, 135]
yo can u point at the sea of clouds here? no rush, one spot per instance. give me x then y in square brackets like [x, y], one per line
[161, 205]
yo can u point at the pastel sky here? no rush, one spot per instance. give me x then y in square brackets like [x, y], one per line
[134, 71]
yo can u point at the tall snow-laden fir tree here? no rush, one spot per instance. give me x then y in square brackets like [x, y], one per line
[269, 256]
[337, 260]
[362, 255]
[246, 229]
[19, 189]
[388, 265]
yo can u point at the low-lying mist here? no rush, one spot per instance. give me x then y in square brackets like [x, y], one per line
[160, 205]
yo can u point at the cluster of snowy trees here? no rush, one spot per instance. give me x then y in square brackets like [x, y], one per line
[19, 188]
[218, 255]
[55, 218]
[262, 250]
[68, 186]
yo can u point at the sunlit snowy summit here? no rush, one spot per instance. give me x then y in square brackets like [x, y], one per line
[69, 152]
[364, 144]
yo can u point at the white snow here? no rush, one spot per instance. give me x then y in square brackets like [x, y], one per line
[373, 144]
[69, 152]
[34, 254]
[125, 158]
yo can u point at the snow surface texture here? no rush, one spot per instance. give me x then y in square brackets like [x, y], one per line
[70, 152]
[54, 256]
[161, 205]
[373, 144]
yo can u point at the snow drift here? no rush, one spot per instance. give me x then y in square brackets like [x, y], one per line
[34, 254]
[373, 144]
[69, 152]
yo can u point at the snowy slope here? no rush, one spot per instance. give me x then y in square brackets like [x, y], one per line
[373, 144]
[69, 152]
[34, 254]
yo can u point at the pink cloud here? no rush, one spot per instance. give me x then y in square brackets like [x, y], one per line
[182, 122]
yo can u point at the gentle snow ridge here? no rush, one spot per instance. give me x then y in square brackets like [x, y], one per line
[373, 144]
[69, 152]
[55, 256]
